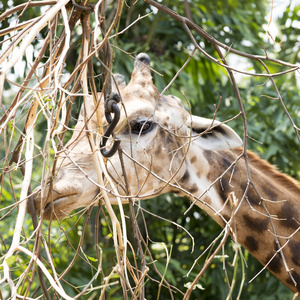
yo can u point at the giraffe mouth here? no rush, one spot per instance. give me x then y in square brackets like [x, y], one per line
[58, 206]
[64, 197]
[54, 205]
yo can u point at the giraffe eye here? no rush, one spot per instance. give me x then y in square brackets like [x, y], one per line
[141, 127]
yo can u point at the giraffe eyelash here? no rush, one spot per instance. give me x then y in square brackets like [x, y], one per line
[141, 126]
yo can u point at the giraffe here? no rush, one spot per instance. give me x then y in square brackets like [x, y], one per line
[168, 150]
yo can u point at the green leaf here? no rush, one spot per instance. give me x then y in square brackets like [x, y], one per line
[11, 260]
[92, 258]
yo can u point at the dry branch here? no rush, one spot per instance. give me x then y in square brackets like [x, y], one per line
[53, 97]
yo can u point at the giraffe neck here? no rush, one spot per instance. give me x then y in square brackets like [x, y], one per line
[266, 215]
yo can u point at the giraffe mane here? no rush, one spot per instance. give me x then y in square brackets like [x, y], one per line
[291, 184]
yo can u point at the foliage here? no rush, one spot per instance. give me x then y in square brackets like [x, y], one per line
[201, 85]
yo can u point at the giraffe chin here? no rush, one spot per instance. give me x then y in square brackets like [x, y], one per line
[63, 207]
[60, 203]
[59, 208]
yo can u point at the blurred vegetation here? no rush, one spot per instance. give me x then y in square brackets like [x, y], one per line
[239, 24]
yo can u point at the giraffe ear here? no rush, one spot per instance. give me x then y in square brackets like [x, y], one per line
[219, 137]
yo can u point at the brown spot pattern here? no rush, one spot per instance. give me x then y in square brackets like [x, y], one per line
[289, 215]
[226, 162]
[194, 188]
[270, 193]
[186, 176]
[296, 277]
[295, 250]
[256, 224]
[194, 159]
[275, 264]
[209, 157]
[222, 189]
[162, 133]
[252, 196]
[251, 243]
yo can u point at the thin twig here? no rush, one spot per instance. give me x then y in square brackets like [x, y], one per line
[213, 41]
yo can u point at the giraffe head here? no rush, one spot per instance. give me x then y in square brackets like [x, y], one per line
[160, 142]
